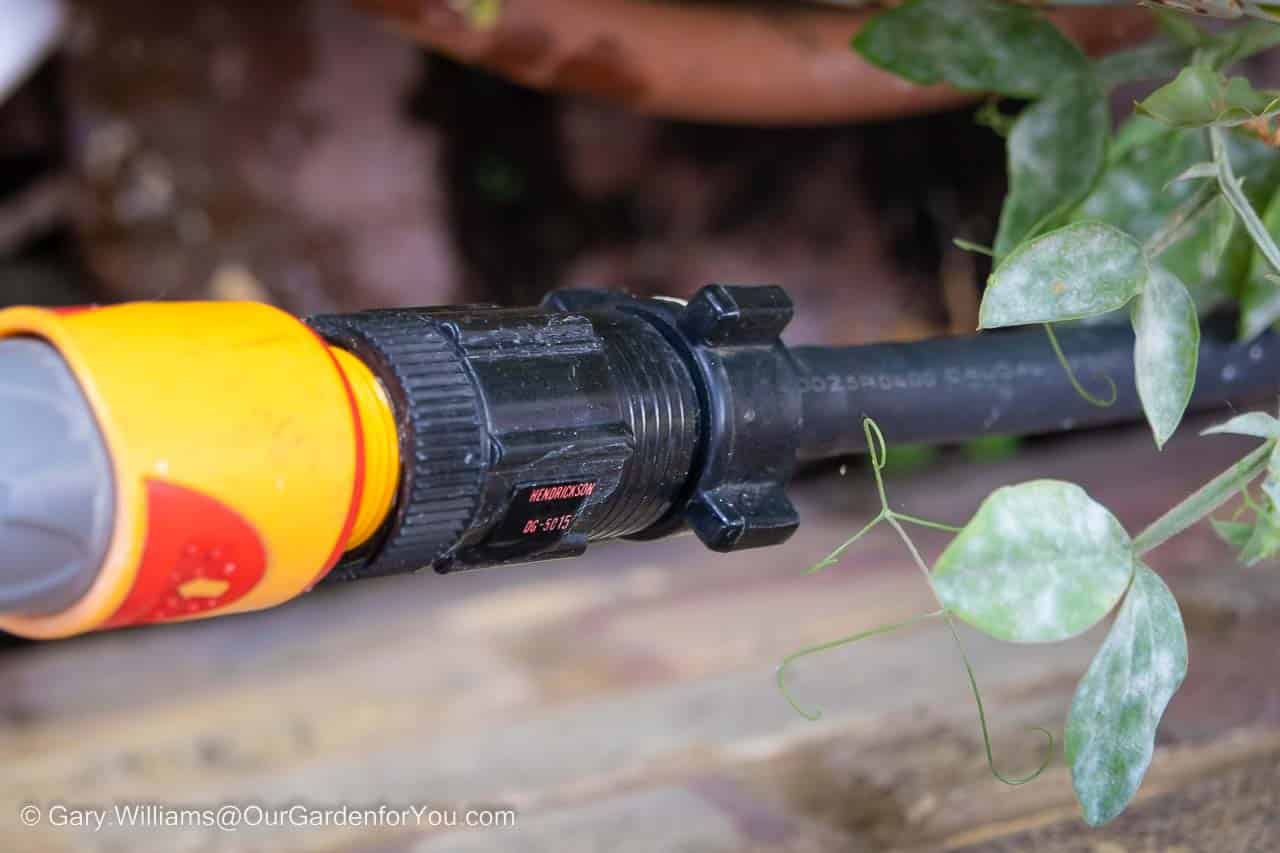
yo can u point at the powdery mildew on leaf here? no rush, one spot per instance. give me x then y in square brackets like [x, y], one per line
[1078, 271]
[1256, 424]
[979, 45]
[1138, 190]
[1118, 704]
[1261, 308]
[1039, 562]
[1056, 151]
[1166, 350]
[1201, 96]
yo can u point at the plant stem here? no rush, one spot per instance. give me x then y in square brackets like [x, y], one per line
[1235, 196]
[923, 522]
[780, 675]
[982, 720]
[891, 517]
[970, 246]
[1176, 226]
[1204, 500]
[1071, 374]
[876, 447]
[835, 555]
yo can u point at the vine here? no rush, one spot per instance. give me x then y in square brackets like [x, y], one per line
[1044, 562]
[1153, 224]
[877, 449]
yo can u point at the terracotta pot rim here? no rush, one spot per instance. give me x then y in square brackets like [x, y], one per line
[744, 65]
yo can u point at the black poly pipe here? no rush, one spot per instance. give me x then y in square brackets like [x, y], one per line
[1006, 382]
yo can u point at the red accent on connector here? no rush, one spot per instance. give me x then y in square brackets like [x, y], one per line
[190, 537]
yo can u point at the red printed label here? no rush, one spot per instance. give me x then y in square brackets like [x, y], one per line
[540, 515]
[200, 555]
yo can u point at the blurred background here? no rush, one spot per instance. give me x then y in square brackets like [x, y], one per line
[301, 152]
[321, 156]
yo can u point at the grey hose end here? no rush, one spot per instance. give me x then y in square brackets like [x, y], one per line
[56, 486]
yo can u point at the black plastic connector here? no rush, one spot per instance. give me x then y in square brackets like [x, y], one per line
[527, 433]
[441, 435]
[730, 337]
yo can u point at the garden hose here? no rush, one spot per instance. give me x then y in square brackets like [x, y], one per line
[173, 461]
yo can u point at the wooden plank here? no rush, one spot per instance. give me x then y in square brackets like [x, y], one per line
[595, 693]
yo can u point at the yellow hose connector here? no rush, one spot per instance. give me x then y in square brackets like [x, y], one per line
[247, 457]
[381, 447]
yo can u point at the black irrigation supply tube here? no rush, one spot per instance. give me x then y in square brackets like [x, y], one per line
[1005, 383]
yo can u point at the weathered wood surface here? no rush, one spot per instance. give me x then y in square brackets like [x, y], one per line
[625, 701]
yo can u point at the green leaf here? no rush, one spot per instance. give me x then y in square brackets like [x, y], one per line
[1111, 728]
[1264, 543]
[1139, 190]
[1139, 187]
[1271, 485]
[1256, 424]
[1166, 350]
[1178, 27]
[976, 45]
[1201, 96]
[1078, 271]
[1235, 533]
[1199, 170]
[1260, 295]
[1056, 152]
[1242, 42]
[1135, 132]
[1259, 306]
[1039, 562]
[1151, 61]
[1222, 229]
